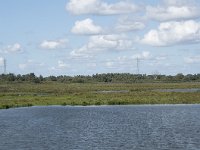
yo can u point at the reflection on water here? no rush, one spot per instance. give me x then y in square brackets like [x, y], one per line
[170, 127]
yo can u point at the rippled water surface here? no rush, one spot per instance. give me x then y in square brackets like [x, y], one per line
[170, 127]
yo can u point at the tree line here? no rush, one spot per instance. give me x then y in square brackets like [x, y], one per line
[105, 77]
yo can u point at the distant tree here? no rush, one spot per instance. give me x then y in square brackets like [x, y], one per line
[105, 77]
[41, 78]
[179, 76]
[52, 78]
[36, 80]
[10, 77]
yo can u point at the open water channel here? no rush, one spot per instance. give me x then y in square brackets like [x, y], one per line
[145, 127]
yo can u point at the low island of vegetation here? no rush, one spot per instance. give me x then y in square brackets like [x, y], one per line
[99, 89]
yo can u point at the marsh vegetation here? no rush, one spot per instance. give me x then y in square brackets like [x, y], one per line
[19, 94]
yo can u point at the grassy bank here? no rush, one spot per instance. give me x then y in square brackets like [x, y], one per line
[54, 93]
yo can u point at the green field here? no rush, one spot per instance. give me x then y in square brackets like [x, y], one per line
[54, 93]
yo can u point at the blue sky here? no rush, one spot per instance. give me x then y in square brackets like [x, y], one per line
[71, 37]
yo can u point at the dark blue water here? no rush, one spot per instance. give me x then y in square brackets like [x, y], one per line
[170, 127]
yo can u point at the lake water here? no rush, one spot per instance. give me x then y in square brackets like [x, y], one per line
[158, 127]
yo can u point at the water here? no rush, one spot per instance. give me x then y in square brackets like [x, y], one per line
[191, 90]
[113, 91]
[160, 127]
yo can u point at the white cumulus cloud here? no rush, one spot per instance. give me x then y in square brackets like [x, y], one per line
[23, 66]
[126, 25]
[143, 55]
[99, 7]
[171, 33]
[179, 2]
[110, 64]
[101, 43]
[14, 48]
[54, 44]
[112, 42]
[192, 59]
[61, 65]
[86, 27]
[30, 64]
[172, 12]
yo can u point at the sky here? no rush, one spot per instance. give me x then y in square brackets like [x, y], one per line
[85, 37]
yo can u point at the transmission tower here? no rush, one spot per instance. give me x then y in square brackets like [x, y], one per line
[138, 69]
[4, 65]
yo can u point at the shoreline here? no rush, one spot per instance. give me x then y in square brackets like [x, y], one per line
[88, 106]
